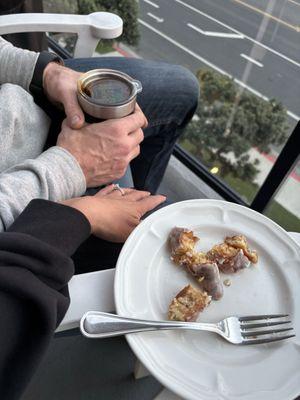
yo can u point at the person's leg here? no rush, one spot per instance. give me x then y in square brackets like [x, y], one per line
[169, 99]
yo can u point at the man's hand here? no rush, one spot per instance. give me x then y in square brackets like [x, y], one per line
[113, 216]
[105, 149]
[60, 86]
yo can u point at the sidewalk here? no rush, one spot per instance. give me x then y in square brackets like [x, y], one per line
[289, 194]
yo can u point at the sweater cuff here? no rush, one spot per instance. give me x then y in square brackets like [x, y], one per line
[60, 226]
[64, 168]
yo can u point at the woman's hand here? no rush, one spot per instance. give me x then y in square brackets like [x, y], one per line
[114, 215]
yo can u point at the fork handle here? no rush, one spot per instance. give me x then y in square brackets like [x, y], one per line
[101, 325]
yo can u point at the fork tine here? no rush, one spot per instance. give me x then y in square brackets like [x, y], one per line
[267, 340]
[270, 331]
[263, 324]
[255, 317]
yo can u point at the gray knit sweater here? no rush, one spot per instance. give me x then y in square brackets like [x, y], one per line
[25, 172]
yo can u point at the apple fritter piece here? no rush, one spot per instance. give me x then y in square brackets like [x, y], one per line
[187, 304]
[181, 243]
[240, 242]
[228, 259]
[208, 277]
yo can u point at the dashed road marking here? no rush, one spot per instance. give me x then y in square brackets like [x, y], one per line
[157, 19]
[235, 30]
[151, 3]
[294, 2]
[210, 64]
[216, 34]
[252, 60]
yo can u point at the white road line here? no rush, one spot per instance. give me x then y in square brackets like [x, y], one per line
[294, 2]
[151, 3]
[292, 115]
[245, 36]
[206, 62]
[216, 34]
[252, 60]
[157, 19]
[184, 48]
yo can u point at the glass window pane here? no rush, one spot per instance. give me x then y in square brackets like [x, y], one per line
[66, 40]
[285, 207]
[246, 57]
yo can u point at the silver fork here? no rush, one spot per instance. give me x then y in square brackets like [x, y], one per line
[236, 330]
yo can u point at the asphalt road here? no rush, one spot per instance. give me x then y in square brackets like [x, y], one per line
[257, 42]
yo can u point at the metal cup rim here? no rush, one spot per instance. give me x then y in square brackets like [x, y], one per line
[91, 75]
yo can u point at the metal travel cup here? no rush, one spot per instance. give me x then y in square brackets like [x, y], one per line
[106, 93]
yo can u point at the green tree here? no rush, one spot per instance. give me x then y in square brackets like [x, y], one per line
[60, 6]
[126, 9]
[231, 122]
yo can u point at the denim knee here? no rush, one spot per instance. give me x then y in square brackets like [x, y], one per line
[186, 91]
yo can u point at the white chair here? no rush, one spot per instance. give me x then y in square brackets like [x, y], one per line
[89, 28]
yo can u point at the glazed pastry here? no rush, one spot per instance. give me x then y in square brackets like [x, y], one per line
[187, 304]
[182, 244]
[208, 276]
[240, 242]
[233, 255]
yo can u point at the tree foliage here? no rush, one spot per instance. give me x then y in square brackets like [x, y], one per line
[231, 122]
[60, 6]
[126, 9]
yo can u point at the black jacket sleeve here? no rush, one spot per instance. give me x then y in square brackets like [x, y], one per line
[35, 267]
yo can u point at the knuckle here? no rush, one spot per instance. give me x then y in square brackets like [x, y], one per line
[129, 158]
[121, 165]
[141, 135]
[124, 149]
[140, 118]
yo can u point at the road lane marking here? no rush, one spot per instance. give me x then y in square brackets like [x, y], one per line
[252, 60]
[292, 115]
[216, 34]
[192, 53]
[210, 64]
[157, 19]
[294, 2]
[258, 10]
[151, 3]
[245, 36]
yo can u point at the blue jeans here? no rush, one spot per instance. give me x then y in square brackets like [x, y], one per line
[169, 99]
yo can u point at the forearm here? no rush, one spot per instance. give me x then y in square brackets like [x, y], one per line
[16, 65]
[54, 175]
[35, 267]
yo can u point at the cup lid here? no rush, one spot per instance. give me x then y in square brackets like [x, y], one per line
[108, 87]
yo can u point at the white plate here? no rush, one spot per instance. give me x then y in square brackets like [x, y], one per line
[202, 365]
